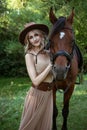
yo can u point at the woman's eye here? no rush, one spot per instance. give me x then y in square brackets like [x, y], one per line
[30, 37]
[36, 35]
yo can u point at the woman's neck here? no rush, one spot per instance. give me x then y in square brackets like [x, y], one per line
[36, 50]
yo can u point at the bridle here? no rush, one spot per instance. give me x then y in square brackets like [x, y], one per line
[69, 56]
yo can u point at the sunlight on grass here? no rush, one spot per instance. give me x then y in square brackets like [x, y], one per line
[81, 89]
[20, 85]
[81, 93]
[85, 77]
[18, 98]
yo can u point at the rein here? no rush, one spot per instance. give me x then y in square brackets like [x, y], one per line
[64, 91]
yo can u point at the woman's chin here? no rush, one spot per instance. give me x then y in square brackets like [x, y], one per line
[37, 44]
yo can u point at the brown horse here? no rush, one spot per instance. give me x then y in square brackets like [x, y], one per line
[65, 61]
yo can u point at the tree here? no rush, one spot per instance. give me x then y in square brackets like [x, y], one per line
[15, 13]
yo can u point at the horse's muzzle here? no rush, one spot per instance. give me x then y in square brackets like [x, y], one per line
[60, 73]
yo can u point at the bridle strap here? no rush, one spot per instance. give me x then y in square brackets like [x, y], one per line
[63, 53]
[68, 28]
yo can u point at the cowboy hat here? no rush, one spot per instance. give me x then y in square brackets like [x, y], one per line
[29, 27]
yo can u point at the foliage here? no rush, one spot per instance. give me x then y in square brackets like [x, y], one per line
[63, 8]
[12, 57]
[2, 6]
[15, 13]
[12, 95]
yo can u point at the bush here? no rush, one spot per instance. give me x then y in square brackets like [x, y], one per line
[12, 61]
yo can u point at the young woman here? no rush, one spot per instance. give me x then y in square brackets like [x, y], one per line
[38, 106]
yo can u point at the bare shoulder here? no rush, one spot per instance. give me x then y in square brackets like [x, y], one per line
[29, 57]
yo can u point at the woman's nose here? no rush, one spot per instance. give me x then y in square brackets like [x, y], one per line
[34, 38]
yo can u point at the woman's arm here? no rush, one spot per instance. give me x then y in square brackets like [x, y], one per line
[36, 79]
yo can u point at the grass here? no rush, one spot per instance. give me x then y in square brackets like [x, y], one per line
[77, 119]
[12, 95]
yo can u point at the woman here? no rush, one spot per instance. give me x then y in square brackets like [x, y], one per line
[38, 106]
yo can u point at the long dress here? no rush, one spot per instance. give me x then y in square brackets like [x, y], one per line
[38, 108]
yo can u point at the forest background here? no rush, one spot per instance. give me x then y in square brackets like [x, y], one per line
[15, 13]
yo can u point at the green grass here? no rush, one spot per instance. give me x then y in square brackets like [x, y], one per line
[77, 119]
[12, 95]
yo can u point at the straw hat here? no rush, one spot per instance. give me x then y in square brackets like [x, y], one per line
[29, 27]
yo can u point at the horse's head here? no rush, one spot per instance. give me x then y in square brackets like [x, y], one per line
[61, 42]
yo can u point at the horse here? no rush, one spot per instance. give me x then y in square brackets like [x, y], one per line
[66, 59]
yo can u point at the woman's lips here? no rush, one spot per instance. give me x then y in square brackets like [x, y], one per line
[36, 42]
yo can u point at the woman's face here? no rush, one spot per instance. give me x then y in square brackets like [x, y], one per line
[35, 37]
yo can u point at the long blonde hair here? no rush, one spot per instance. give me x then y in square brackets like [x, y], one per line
[28, 45]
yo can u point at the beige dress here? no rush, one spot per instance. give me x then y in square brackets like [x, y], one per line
[38, 107]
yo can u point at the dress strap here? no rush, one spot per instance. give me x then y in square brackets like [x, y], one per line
[35, 55]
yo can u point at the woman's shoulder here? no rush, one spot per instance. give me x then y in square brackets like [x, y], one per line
[29, 53]
[29, 56]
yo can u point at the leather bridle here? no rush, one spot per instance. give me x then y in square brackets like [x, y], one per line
[69, 56]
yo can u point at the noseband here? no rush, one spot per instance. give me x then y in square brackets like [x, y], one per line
[63, 53]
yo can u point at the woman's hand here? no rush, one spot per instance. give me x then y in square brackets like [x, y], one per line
[50, 65]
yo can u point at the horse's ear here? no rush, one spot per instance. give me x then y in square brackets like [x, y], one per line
[52, 16]
[70, 18]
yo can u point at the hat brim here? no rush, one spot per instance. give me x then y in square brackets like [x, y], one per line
[41, 27]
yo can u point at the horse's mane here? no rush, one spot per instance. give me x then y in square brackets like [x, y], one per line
[60, 23]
